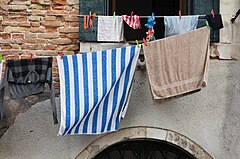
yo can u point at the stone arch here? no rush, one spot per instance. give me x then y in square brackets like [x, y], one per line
[143, 132]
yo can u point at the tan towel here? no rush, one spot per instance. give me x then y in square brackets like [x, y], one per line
[178, 64]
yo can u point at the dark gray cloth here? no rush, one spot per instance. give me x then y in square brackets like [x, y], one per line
[24, 78]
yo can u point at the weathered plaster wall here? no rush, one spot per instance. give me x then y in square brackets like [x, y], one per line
[211, 118]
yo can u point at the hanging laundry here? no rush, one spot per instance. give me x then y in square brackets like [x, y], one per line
[150, 24]
[24, 78]
[174, 25]
[215, 22]
[110, 29]
[178, 64]
[1, 64]
[94, 89]
[133, 21]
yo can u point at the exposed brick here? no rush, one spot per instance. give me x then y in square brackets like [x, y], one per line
[27, 46]
[75, 41]
[6, 47]
[69, 30]
[73, 35]
[17, 41]
[73, 24]
[1, 28]
[18, 7]
[15, 18]
[10, 29]
[4, 41]
[63, 35]
[9, 23]
[34, 18]
[45, 53]
[31, 35]
[50, 29]
[74, 12]
[21, 2]
[50, 18]
[48, 35]
[1, 18]
[5, 35]
[59, 7]
[72, 2]
[49, 47]
[15, 46]
[34, 1]
[35, 24]
[71, 19]
[68, 48]
[37, 30]
[17, 36]
[60, 2]
[52, 24]
[36, 41]
[39, 12]
[57, 12]
[35, 7]
[24, 24]
[45, 2]
[61, 41]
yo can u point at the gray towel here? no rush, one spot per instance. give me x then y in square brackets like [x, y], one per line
[178, 64]
[174, 25]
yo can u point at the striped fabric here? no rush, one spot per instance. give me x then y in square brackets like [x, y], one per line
[94, 89]
[133, 21]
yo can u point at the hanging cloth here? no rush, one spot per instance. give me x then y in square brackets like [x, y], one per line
[110, 29]
[95, 89]
[178, 64]
[174, 25]
[132, 21]
[215, 22]
[24, 78]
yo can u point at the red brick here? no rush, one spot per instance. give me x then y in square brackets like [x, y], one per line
[37, 30]
[61, 41]
[15, 18]
[24, 24]
[35, 24]
[50, 29]
[5, 35]
[73, 24]
[52, 24]
[6, 47]
[17, 36]
[57, 12]
[71, 19]
[74, 12]
[50, 18]
[59, 7]
[60, 2]
[36, 41]
[73, 35]
[49, 47]
[69, 30]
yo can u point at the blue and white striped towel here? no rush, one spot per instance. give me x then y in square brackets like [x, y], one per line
[94, 89]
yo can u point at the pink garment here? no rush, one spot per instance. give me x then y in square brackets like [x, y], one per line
[133, 21]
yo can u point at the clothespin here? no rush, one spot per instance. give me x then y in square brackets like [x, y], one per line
[85, 22]
[212, 12]
[137, 44]
[0, 58]
[61, 55]
[31, 55]
[131, 14]
[90, 13]
[145, 42]
[114, 13]
[207, 24]
[180, 14]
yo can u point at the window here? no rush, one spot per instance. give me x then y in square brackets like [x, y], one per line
[144, 149]
[145, 8]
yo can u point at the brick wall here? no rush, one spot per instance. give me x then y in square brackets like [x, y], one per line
[40, 27]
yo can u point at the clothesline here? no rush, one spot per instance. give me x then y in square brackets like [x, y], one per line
[200, 16]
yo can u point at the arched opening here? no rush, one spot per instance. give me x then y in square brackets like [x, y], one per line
[144, 149]
[143, 142]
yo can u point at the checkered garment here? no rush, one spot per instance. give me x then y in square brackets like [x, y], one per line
[24, 78]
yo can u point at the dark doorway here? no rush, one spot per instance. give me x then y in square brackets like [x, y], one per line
[144, 149]
[145, 8]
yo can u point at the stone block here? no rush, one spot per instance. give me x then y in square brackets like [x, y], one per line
[61, 41]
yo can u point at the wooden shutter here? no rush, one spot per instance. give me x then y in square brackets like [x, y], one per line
[100, 7]
[204, 7]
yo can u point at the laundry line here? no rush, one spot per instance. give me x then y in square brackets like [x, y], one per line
[142, 16]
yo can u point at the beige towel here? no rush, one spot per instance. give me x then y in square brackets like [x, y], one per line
[178, 64]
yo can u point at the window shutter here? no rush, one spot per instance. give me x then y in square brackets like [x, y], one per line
[100, 7]
[204, 7]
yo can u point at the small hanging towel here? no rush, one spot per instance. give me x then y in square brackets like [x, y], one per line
[94, 89]
[178, 64]
[110, 29]
[24, 78]
[133, 21]
[174, 25]
[215, 22]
